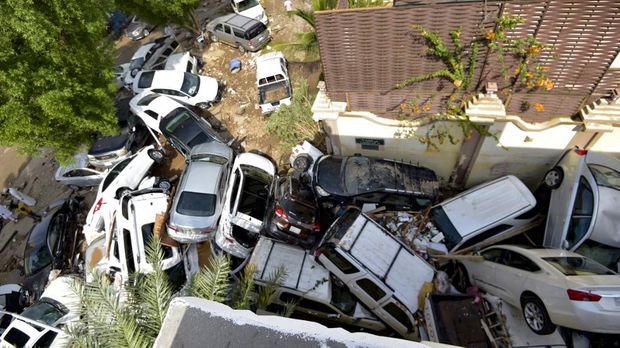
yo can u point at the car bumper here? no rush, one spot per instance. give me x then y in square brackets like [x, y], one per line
[590, 317]
[306, 243]
[231, 246]
[194, 237]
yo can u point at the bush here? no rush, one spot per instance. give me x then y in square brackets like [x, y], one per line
[293, 123]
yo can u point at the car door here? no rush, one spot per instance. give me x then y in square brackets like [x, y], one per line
[513, 275]
[227, 34]
[483, 273]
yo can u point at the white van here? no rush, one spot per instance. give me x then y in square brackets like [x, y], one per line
[381, 271]
[309, 285]
[485, 214]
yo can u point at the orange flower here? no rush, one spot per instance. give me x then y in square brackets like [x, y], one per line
[529, 74]
[426, 107]
[534, 49]
[548, 84]
[490, 35]
[458, 83]
[517, 70]
[415, 109]
[403, 106]
[539, 107]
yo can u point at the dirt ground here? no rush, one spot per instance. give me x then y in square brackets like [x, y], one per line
[237, 115]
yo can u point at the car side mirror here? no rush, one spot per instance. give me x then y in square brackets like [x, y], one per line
[565, 244]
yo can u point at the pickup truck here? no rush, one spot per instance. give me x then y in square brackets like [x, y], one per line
[274, 86]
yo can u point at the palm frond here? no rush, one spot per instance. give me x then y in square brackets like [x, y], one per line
[267, 292]
[306, 15]
[243, 291]
[212, 281]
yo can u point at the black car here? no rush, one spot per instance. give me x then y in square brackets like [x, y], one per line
[184, 130]
[293, 214]
[52, 244]
[133, 135]
[360, 179]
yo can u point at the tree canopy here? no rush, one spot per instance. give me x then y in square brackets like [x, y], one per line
[56, 75]
[161, 12]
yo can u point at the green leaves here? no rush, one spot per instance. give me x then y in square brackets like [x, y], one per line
[55, 75]
[161, 12]
[212, 281]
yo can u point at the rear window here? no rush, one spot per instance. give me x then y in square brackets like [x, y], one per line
[340, 227]
[442, 222]
[148, 99]
[605, 176]
[255, 30]
[146, 79]
[578, 266]
[196, 204]
[46, 312]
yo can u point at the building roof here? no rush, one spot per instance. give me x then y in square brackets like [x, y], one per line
[382, 49]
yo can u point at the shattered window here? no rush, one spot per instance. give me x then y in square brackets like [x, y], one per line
[372, 289]
[605, 176]
[399, 314]
[339, 261]
[342, 299]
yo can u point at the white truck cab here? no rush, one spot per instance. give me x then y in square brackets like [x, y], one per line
[274, 86]
[250, 9]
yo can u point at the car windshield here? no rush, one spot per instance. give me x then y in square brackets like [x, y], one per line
[581, 215]
[136, 63]
[578, 266]
[148, 99]
[46, 311]
[606, 255]
[191, 84]
[43, 235]
[246, 4]
[209, 158]
[605, 176]
[441, 220]
[146, 79]
[196, 204]
[255, 31]
[185, 128]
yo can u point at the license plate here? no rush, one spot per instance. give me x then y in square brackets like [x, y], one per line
[295, 230]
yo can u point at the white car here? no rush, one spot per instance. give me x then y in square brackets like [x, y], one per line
[182, 61]
[126, 176]
[188, 88]
[119, 72]
[551, 286]
[41, 325]
[272, 82]
[150, 56]
[245, 205]
[132, 230]
[79, 173]
[250, 9]
[583, 210]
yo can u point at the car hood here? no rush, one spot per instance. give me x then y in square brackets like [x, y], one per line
[109, 144]
[135, 26]
[607, 223]
[255, 12]
[208, 88]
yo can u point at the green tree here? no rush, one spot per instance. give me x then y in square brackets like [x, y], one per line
[56, 80]
[162, 12]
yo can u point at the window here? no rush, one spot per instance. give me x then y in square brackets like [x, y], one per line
[190, 67]
[441, 220]
[342, 299]
[174, 45]
[78, 172]
[316, 306]
[577, 266]
[288, 297]
[493, 255]
[519, 261]
[147, 100]
[46, 311]
[46, 340]
[338, 260]
[606, 255]
[372, 289]
[196, 204]
[147, 235]
[481, 237]
[114, 173]
[605, 176]
[227, 30]
[238, 33]
[16, 338]
[219, 27]
[582, 213]
[146, 79]
[399, 314]
[235, 189]
[131, 266]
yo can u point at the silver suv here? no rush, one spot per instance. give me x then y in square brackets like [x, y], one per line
[244, 33]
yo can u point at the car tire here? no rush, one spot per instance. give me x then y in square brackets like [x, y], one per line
[536, 316]
[241, 48]
[164, 184]
[121, 192]
[213, 38]
[553, 178]
[302, 162]
[156, 155]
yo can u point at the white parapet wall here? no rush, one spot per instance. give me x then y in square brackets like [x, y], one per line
[194, 322]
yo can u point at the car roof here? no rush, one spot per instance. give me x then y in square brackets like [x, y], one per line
[143, 50]
[168, 79]
[61, 290]
[201, 177]
[268, 64]
[488, 203]
[240, 20]
[178, 61]
[214, 147]
[164, 105]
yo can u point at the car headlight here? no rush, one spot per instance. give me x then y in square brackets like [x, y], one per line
[320, 191]
[136, 32]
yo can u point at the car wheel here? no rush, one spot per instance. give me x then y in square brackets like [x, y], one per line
[553, 178]
[213, 38]
[164, 184]
[302, 162]
[156, 155]
[121, 192]
[536, 316]
[241, 48]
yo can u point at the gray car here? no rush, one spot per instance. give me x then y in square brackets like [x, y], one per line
[246, 34]
[199, 198]
[138, 29]
[583, 210]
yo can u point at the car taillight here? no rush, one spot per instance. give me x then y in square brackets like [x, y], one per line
[281, 213]
[581, 152]
[316, 227]
[98, 205]
[250, 42]
[576, 295]
[317, 252]
[173, 228]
